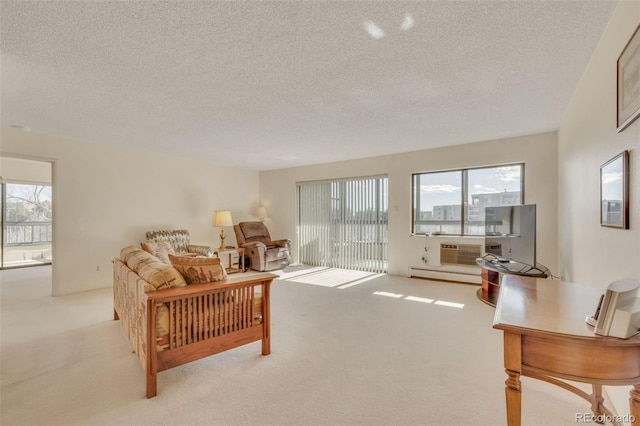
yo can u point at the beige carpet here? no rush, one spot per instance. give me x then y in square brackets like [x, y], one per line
[347, 349]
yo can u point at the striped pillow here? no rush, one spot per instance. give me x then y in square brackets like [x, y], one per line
[161, 250]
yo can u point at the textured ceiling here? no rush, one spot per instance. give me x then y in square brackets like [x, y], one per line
[268, 85]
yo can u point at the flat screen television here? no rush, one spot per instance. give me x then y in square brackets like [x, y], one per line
[510, 233]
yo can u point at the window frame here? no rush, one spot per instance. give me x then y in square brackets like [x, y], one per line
[4, 224]
[464, 193]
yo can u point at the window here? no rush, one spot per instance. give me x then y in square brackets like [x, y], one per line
[453, 202]
[26, 224]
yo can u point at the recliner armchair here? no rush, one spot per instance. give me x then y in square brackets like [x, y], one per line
[179, 240]
[264, 254]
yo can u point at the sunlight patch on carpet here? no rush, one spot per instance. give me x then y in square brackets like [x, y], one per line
[387, 294]
[328, 277]
[449, 304]
[420, 299]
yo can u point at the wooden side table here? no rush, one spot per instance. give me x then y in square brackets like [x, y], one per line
[231, 251]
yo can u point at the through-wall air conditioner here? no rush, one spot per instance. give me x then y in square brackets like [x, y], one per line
[450, 260]
[460, 254]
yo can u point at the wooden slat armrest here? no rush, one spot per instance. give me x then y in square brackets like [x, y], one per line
[230, 283]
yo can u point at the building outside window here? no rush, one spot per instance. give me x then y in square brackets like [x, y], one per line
[454, 201]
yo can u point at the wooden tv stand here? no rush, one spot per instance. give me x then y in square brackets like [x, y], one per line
[493, 270]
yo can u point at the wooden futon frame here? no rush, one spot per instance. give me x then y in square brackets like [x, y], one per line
[204, 319]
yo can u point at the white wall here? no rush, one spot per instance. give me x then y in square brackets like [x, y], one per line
[587, 138]
[538, 152]
[106, 198]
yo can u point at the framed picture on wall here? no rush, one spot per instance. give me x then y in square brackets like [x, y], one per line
[614, 192]
[629, 82]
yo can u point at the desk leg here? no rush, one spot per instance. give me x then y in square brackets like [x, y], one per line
[634, 403]
[513, 393]
[596, 401]
[513, 367]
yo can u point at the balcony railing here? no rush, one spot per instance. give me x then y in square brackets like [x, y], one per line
[27, 233]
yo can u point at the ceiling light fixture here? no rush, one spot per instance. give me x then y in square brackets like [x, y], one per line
[373, 30]
[407, 23]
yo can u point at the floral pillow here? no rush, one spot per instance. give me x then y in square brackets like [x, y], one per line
[198, 270]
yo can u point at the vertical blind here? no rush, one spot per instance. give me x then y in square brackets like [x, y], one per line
[343, 224]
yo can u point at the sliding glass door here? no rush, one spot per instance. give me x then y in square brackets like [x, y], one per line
[343, 223]
[26, 224]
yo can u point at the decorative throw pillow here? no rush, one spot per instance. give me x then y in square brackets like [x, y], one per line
[160, 276]
[151, 270]
[161, 250]
[198, 270]
[136, 257]
[127, 252]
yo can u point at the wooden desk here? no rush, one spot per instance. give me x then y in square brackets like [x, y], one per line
[546, 338]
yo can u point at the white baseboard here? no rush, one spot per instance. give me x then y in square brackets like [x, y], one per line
[471, 275]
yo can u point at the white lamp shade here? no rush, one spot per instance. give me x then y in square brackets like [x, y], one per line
[261, 212]
[222, 218]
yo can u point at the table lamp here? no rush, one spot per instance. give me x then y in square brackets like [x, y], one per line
[222, 218]
[261, 212]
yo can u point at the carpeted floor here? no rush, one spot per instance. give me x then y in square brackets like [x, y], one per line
[347, 349]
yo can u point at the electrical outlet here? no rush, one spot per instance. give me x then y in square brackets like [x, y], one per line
[97, 269]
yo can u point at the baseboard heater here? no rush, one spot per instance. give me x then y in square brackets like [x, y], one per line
[451, 261]
[470, 274]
